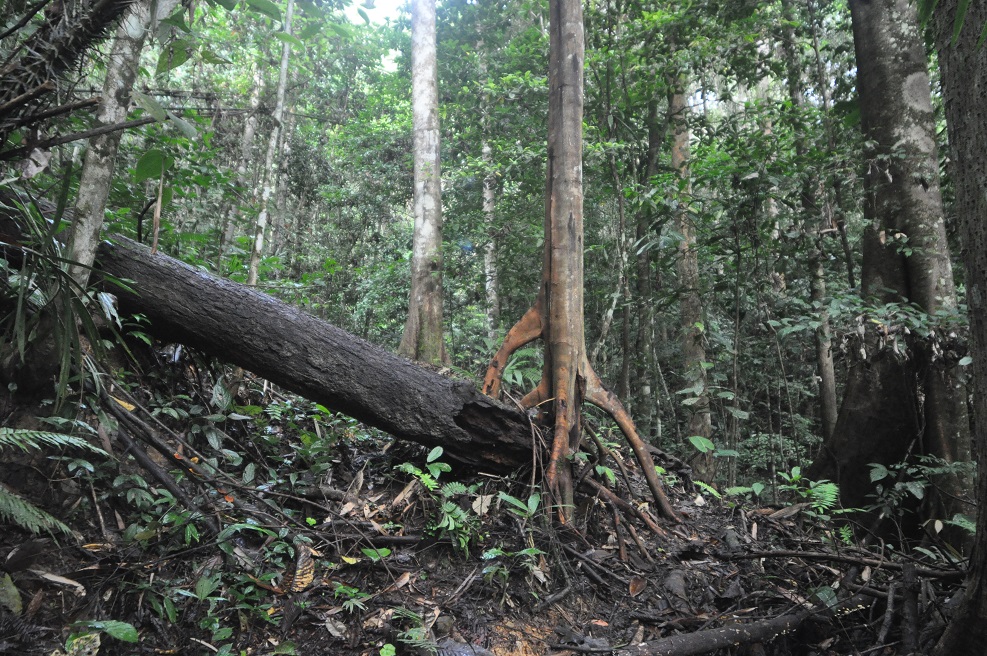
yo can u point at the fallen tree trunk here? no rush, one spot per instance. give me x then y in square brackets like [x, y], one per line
[315, 359]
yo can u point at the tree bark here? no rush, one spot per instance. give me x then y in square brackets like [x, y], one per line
[828, 404]
[269, 176]
[557, 315]
[687, 266]
[963, 67]
[422, 339]
[100, 162]
[316, 360]
[491, 275]
[905, 259]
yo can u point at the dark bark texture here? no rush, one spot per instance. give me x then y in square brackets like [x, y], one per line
[317, 360]
[963, 67]
[898, 405]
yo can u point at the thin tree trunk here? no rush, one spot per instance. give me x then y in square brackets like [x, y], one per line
[687, 267]
[422, 339]
[491, 276]
[828, 405]
[557, 316]
[100, 162]
[269, 176]
[648, 408]
[228, 228]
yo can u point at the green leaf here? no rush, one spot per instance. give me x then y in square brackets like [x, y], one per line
[150, 105]
[249, 472]
[210, 57]
[151, 165]
[702, 444]
[173, 55]
[183, 126]
[228, 5]
[966, 361]
[878, 472]
[434, 454]
[291, 40]
[341, 30]
[265, 7]
[757, 488]
[115, 628]
[738, 413]
[961, 8]
[205, 586]
[916, 488]
[10, 598]
[376, 554]
[310, 8]
[363, 15]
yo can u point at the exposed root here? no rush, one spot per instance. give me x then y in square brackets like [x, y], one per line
[529, 328]
[601, 397]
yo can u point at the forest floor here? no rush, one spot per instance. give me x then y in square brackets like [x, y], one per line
[296, 531]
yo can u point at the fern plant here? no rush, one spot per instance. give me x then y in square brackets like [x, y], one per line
[14, 508]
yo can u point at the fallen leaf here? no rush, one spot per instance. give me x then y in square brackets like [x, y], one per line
[77, 587]
[637, 586]
[129, 407]
[481, 504]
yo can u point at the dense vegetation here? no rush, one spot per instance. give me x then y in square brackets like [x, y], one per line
[765, 289]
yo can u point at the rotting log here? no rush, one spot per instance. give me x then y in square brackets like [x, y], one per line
[315, 359]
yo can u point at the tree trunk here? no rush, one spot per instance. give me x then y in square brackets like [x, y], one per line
[648, 407]
[687, 266]
[316, 360]
[557, 316]
[963, 67]
[828, 405]
[97, 171]
[906, 259]
[422, 339]
[491, 276]
[269, 176]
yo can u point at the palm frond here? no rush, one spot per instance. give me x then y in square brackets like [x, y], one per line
[33, 439]
[16, 510]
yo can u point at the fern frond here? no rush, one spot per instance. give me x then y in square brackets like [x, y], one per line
[32, 439]
[824, 495]
[16, 510]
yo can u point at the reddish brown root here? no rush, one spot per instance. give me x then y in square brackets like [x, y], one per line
[601, 397]
[529, 328]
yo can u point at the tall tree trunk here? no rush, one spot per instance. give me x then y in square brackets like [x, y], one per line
[228, 228]
[557, 316]
[648, 408]
[906, 259]
[269, 175]
[422, 339]
[687, 267]
[491, 277]
[828, 404]
[97, 171]
[963, 67]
